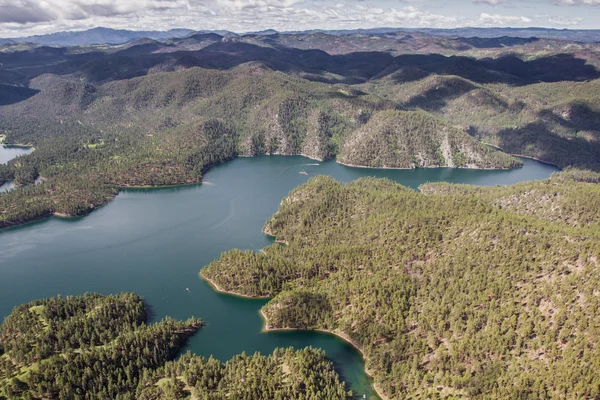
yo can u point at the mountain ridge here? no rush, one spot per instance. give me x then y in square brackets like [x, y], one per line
[103, 35]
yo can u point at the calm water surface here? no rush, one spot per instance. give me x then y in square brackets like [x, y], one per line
[7, 153]
[154, 242]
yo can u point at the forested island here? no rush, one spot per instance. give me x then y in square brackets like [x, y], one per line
[453, 291]
[100, 347]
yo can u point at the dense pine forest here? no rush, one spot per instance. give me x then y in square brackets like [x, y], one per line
[285, 374]
[454, 291]
[99, 347]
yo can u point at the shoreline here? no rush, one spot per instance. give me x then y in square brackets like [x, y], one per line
[62, 215]
[280, 154]
[269, 234]
[125, 188]
[340, 335]
[158, 187]
[365, 167]
[18, 145]
[415, 168]
[3, 138]
[219, 289]
[523, 155]
[267, 328]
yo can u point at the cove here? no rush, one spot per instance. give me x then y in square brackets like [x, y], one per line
[154, 242]
[8, 152]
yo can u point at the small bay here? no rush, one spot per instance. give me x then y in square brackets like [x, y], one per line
[8, 152]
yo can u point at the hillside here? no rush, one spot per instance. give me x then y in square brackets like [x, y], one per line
[99, 347]
[168, 128]
[450, 292]
[555, 121]
[409, 139]
[99, 36]
[480, 36]
[65, 347]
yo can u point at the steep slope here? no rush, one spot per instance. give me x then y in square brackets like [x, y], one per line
[410, 139]
[168, 128]
[555, 122]
[10, 94]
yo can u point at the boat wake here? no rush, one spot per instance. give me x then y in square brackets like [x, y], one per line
[291, 167]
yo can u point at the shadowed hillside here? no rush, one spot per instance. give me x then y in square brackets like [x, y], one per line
[102, 64]
[400, 139]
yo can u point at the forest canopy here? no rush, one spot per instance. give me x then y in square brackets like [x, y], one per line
[455, 291]
[100, 347]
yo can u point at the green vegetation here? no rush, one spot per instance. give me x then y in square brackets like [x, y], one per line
[458, 291]
[556, 122]
[158, 114]
[169, 128]
[89, 345]
[286, 374]
[409, 139]
[99, 347]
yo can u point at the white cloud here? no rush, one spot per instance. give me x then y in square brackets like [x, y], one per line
[24, 11]
[578, 2]
[563, 21]
[502, 20]
[245, 4]
[26, 17]
[490, 2]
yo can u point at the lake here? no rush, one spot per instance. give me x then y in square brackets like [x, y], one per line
[154, 242]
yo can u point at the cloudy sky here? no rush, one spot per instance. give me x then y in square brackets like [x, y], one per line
[28, 17]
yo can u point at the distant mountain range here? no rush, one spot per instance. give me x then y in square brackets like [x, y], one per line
[97, 36]
[581, 35]
[101, 36]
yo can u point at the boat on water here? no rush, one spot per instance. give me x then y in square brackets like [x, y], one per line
[303, 173]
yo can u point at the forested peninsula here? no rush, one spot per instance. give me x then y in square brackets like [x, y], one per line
[100, 347]
[453, 291]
